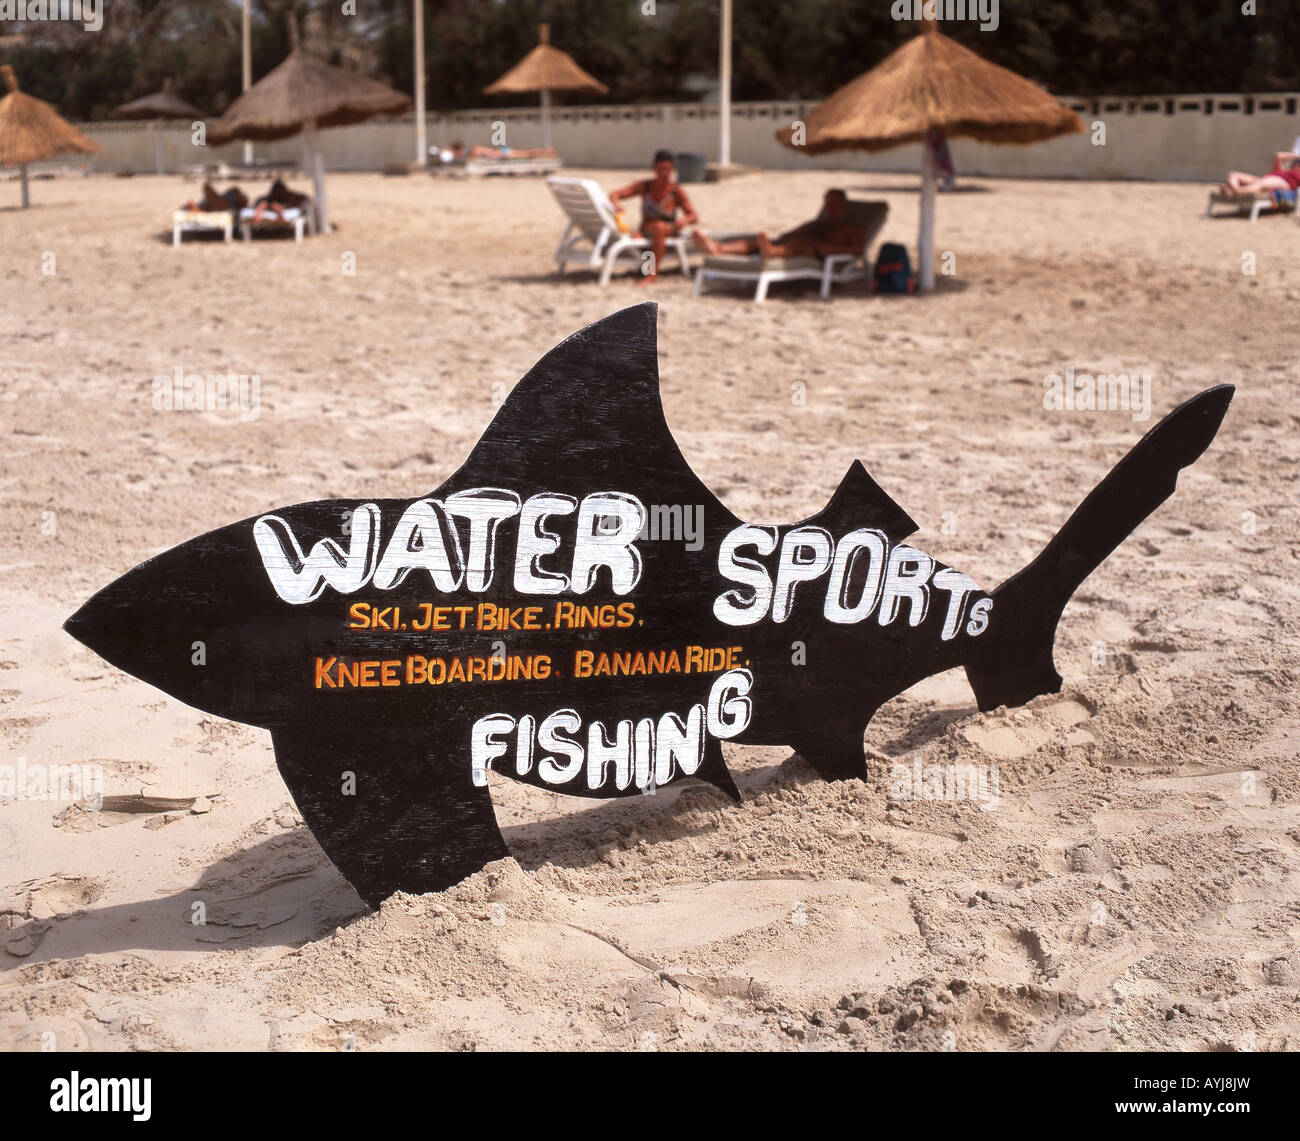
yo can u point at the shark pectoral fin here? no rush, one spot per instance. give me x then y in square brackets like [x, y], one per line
[713, 769]
[391, 815]
[834, 757]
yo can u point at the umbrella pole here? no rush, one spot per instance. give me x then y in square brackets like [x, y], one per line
[421, 136]
[546, 118]
[317, 166]
[157, 149]
[246, 51]
[925, 241]
[724, 85]
[22, 177]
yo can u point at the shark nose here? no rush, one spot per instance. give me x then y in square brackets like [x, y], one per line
[180, 625]
[119, 628]
[144, 623]
[92, 626]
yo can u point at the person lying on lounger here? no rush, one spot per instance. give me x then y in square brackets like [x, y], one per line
[457, 152]
[276, 201]
[661, 199]
[831, 232]
[1283, 176]
[214, 201]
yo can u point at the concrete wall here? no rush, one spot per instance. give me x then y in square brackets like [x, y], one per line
[1185, 137]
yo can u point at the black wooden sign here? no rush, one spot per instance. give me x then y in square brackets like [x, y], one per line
[575, 609]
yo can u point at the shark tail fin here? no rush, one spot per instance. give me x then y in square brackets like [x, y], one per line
[1014, 661]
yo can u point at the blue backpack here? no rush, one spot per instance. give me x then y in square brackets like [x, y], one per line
[893, 271]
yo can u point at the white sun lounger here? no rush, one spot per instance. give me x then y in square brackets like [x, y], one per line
[1242, 204]
[592, 238]
[471, 167]
[202, 221]
[834, 270]
[300, 218]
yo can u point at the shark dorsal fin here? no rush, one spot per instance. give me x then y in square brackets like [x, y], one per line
[596, 390]
[859, 501]
[589, 415]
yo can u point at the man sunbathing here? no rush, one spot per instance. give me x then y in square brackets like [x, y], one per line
[276, 201]
[214, 201]
[831, 232]
[1283, 176]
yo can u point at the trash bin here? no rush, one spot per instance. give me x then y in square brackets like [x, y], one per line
[691, 167]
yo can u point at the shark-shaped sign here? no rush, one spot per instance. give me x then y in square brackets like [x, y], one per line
[531, 618]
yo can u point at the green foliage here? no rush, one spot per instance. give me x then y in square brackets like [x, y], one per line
[94, 89]
[783, 49]
[39, 70]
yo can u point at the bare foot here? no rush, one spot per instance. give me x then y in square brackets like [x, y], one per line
[765, 246]
[702, 241]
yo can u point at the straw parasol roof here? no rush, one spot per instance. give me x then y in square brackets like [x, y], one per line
[301, 95]
[31, 130]
[932, 82]
[164, 104]
[304, 91]
[545, 69]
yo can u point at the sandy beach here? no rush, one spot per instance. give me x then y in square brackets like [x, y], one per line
[1136, 883]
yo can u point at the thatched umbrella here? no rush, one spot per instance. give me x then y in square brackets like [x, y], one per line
[545, 69]
[303, 95]
[31, 131]
[164, 104]
[932, 83]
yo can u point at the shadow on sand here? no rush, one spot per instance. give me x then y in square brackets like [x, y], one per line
[284, 892]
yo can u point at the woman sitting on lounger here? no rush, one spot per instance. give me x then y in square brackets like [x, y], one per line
[831, 232]
[214, 201]
[1283, 176]
[276, 201]
[661, 198]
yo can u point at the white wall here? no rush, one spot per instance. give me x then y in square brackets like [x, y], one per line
[1156, 137]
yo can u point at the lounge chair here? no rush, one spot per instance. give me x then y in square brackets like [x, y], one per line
[1276, 201]
[833, 270]
[510, 165]
[297, 218]
[592, 238]
[202, 221]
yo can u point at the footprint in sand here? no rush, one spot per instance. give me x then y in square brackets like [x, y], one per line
[33, 908]
[16, 731]
[1009, 734]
